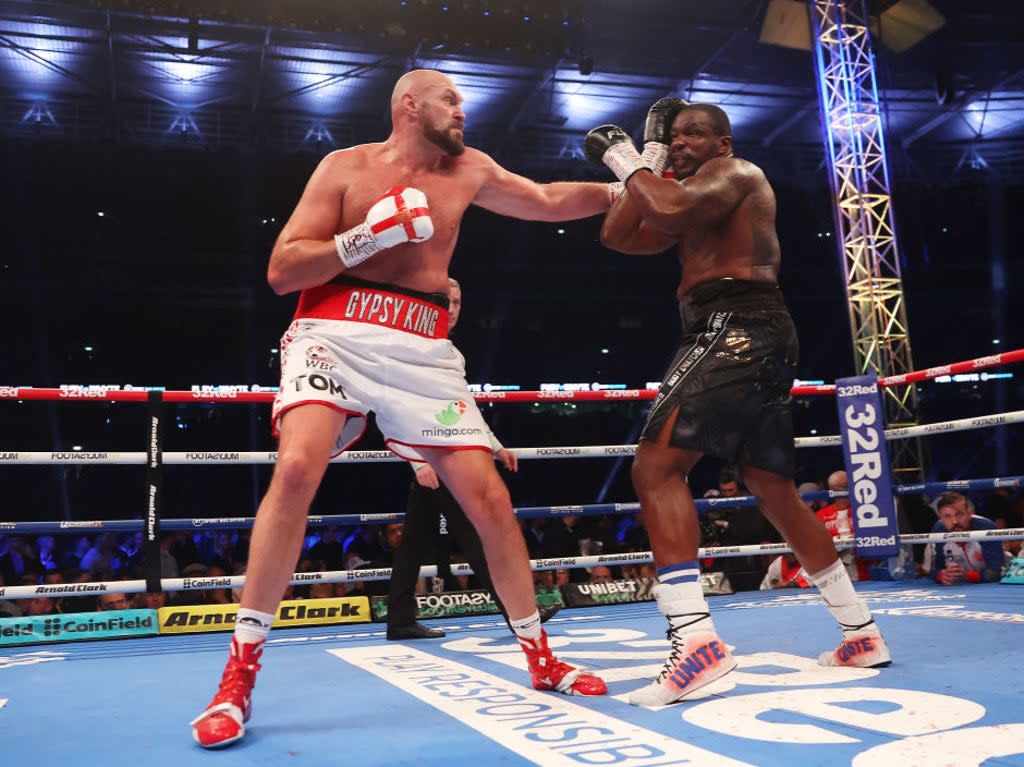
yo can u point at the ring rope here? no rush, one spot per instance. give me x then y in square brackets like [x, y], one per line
[522, 512]
[198, 458]
[554, 563]
[268, 393]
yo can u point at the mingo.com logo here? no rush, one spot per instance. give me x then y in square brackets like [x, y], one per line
[451, 414]
[51, 627]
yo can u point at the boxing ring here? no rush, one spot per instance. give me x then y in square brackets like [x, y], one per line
[339, 693]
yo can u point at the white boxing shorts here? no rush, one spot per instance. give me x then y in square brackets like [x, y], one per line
[357, 346]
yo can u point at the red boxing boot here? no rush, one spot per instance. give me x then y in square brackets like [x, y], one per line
[223, 721]
[549, 673]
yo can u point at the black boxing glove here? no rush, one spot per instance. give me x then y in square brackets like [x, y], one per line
[611, 145]
[658, 131]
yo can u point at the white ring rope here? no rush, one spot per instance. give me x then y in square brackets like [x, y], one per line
[381, 456]
[265, 394]
[384, 573]
[192, 458]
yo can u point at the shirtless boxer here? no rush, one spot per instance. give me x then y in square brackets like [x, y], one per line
[726, 393]
[368, 246]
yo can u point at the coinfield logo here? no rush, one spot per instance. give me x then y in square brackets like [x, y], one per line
[451, 414]
[59, 628]
[51, 627]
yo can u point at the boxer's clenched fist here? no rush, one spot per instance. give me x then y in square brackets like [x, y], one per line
[401, 215]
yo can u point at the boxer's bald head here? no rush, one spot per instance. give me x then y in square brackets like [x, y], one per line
[429, 99]
[417, 82]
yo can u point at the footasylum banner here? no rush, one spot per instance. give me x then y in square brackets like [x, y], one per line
[444, 605]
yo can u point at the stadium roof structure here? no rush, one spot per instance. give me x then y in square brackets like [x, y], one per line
[303, 75]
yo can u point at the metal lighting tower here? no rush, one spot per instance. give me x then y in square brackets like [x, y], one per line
[851, 115]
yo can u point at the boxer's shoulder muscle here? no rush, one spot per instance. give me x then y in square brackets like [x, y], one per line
[734, 170]
[350, 158]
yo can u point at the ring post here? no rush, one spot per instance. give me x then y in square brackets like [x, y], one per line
[866, 456]
[154, 486]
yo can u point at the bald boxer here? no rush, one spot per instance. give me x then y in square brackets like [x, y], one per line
[726, 393]
[367, 248]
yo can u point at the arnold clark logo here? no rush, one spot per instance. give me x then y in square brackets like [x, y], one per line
[451, 414]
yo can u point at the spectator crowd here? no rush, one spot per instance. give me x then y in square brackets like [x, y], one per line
[104, 556]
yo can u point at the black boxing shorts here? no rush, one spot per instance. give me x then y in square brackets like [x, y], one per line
[731, 378]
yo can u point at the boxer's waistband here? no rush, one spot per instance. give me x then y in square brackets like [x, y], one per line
[376, 303]
[729, 295]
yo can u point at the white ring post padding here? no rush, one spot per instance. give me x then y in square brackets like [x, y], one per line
[384, 573]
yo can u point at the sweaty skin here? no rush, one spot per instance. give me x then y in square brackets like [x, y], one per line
[424, 151]
[720, 214]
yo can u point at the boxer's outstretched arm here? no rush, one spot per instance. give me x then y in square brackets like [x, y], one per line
[510, 194]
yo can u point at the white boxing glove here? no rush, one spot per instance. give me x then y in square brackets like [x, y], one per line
[656, 156]
[401, 215]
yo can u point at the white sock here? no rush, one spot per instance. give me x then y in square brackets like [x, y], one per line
[685, 606]
[837, 590]
[252, 626]
[528, 627]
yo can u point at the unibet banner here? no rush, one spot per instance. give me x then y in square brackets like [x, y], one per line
[633, 590]
[588, 594]
[72, 626]
[193, 619]
[715, 584]
[862, 427]
[1014, 571]
[549, 597]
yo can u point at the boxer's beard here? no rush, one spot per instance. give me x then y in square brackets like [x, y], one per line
[443, 139]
